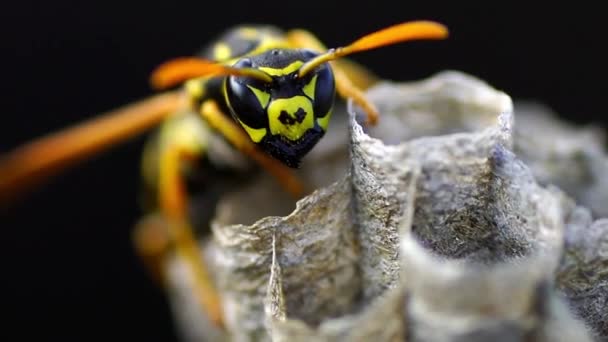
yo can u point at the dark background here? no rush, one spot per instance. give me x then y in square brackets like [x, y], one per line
[67, 257]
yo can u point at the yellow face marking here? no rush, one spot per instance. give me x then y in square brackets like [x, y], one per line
[291, 117]
[309, 89]
[256, 134]
[261, 95]
[324, 121]
[221, 51]
[282, 71]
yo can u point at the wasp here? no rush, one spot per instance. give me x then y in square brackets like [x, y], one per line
[269, 93]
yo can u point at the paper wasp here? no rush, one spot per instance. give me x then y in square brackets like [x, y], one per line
[268, 93]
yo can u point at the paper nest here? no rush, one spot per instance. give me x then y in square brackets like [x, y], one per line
[457, 218]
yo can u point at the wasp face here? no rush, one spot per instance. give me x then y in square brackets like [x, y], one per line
[287, 116]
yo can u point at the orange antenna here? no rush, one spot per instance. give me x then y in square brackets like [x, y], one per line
[178, 70]
[415, 30]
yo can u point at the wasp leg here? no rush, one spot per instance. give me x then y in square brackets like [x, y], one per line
[152, 244]
[351, 79]
[179, 144]
[237, 137]
[30, 164]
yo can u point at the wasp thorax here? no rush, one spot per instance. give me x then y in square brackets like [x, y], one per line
[287, 116]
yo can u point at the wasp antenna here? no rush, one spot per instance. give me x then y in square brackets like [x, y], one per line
[414, 30]
[178, 70]
[181, 69]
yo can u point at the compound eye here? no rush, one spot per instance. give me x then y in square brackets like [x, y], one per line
[325, 89]
[247, 101]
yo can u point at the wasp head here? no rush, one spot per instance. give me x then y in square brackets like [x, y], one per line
[288, 115]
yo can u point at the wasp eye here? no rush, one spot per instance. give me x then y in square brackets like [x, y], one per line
[247, 99]
[324, 90]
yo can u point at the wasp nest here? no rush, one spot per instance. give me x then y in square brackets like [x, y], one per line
[446, 222]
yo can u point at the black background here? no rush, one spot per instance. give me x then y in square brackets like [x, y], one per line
[67, 257]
